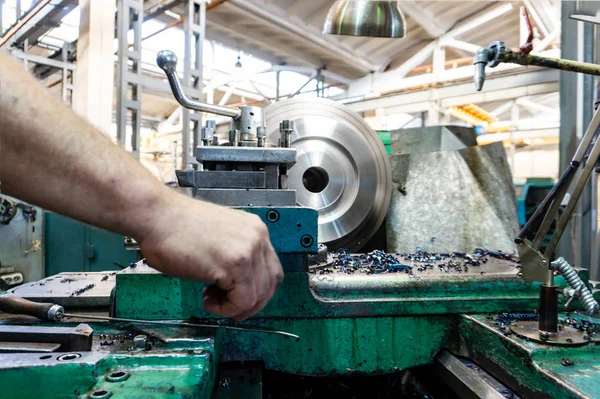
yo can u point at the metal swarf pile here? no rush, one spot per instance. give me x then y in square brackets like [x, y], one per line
[378, 262]
[581, 324]
[375, 262]
[503, 320]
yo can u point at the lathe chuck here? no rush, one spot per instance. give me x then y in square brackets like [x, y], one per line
[342, 169]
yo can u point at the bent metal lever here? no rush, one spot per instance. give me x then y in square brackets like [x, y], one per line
[167, 61]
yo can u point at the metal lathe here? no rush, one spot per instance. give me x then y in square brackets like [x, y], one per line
[482, 323]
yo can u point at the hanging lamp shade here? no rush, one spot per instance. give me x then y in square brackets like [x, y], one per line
[373, 18]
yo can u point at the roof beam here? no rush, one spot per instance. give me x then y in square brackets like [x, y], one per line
[498, 88]
[459, 44]
[42, 22]
[544, 14]
[308, 71]
[536, 18]
[426, 20]
[367, 84]
[277, 20]
[536, 107]
[502, 109]
[272, 44]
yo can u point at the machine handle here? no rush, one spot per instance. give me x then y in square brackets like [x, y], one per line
[167, 61]
[44, 311]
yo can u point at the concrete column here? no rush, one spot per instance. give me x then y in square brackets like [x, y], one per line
[94, 77]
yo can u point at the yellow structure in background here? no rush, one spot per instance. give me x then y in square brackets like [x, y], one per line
[474, 115]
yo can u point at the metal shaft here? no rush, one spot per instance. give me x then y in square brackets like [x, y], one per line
[554, 63]
[548, 309]
[183, 324]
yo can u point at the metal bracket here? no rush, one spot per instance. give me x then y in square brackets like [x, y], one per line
[534, 266]
[71, 339]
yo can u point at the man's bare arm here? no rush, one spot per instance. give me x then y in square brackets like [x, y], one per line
[55, 159]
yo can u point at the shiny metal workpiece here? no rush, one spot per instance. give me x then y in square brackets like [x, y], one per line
[342, 169]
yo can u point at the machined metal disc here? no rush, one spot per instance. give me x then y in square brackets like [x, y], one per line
[342, 169]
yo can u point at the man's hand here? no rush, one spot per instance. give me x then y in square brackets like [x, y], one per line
[52, 158]
[200, 241]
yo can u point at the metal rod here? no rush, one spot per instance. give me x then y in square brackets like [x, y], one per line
[183, 324]
[525, 59]
[582, 179]
[589, 135]
[167, 61]
[180, 20]
[544, 228]
[558, 192]
[542, 209]
[548, 308]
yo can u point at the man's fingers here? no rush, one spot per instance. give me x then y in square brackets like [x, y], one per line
[271, 267]
[216, 302]
[262, 282]
[274, 266]
[231, 303]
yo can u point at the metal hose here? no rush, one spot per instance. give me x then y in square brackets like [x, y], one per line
[572, 278]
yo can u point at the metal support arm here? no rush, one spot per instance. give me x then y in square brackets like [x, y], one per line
[536, 266]
[497, 53]
[167, 61]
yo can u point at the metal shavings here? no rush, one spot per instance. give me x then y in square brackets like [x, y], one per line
[591, 329]
[67, 280]
[104, 278]
[82, 290]
[378, 262]
[504, 319]
[375, 262]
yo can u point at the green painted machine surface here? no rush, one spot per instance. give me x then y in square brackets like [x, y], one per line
[545, 371]
[146, 294]
[171, 367]
[71, 246]
[349, 324]
[344, 345]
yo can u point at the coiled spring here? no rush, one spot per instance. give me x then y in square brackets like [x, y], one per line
[570, 275]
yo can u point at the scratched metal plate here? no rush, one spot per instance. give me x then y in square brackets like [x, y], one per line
[70, 289]
[465, 199]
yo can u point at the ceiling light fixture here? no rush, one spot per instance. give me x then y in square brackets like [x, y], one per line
[372, 18]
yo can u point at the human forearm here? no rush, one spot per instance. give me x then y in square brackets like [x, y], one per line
[53, 158]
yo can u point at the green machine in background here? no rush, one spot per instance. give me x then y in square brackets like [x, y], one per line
[530, 195]
[386, 139]
[71, 246]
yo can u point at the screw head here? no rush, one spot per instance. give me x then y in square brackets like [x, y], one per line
[544, 263]
[520, 275]
[273, 216]
[306, 241]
